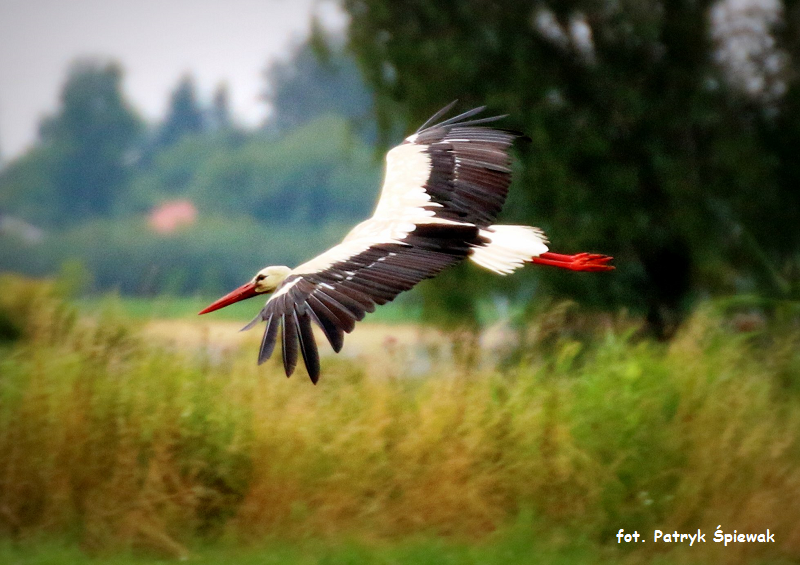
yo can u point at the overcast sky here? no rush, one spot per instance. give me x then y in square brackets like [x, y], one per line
[156, 41]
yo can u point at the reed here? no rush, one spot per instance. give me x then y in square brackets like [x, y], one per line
[120, 442]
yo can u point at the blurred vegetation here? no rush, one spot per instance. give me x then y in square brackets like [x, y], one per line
[276, 195]
[513, 545]
[215, 253]
[120, 442]
[184, 116]
[317, 80]
[81, 164]
[642, 145]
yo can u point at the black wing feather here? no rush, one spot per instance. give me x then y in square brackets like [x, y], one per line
[289, 333]
[470, 167]
[437, 115]
[345, 318]
[325, 319]
[308, 346]
[268, 342]
[357, 310]
[355, 301]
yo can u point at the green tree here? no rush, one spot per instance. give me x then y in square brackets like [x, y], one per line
[27, 183]
[638, 148]
[184, 116]
[315, 175]
[220, 112]
[87, 146]
[310, 84]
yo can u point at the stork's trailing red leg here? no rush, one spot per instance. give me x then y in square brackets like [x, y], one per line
[580, 262]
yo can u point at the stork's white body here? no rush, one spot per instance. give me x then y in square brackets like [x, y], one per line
[444, 187]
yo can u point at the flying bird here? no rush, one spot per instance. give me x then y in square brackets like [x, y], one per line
[443, 189]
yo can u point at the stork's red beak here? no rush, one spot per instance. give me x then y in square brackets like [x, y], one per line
[245, 291]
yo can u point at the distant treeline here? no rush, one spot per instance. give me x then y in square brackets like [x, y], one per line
[87, 190]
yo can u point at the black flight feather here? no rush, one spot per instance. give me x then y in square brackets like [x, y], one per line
[289, 333]
[308, 346]
[325, 320]
[269, 339]
[437, 115]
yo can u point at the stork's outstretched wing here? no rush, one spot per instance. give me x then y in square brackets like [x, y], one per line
[442, 185]
[455, 170]
[336, 297]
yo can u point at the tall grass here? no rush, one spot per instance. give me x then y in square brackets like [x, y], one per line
[121, 442]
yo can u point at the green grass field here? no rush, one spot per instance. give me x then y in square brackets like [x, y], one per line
[135, 451]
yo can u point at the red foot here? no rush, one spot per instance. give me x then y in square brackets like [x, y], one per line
[579, 262]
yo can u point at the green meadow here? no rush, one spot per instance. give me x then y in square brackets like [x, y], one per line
[118, 448]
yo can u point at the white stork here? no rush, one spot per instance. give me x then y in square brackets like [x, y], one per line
[443, 189]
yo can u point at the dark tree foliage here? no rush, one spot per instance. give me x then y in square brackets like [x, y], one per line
[638, 148]
[87, 146]
[184, 115]
[28, 182]
[220, 112]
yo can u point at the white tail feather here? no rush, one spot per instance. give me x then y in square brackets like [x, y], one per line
[509, 247]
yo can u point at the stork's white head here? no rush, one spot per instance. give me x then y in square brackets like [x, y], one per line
[265, 281]
[270, 278]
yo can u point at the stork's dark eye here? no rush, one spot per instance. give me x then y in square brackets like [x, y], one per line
[260, 277]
